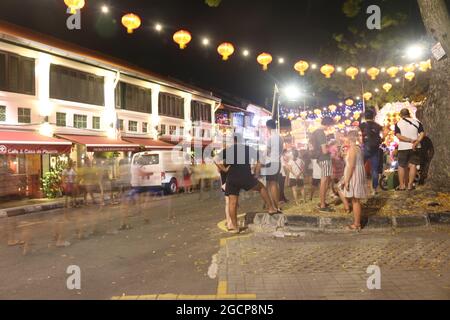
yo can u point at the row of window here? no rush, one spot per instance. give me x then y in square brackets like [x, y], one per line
[132, 126]
[23, 115]
[17, 75]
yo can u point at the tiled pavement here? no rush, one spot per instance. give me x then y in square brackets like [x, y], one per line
[414, 265]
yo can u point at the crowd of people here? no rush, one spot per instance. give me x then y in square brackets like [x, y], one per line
[341, 167]
[345, 165]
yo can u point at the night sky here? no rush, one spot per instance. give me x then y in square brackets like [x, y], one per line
[292, 29]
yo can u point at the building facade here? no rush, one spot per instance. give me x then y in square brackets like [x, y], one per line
[53, 93]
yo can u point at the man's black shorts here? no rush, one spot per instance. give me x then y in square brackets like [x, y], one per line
[235, 185]
[407, 157]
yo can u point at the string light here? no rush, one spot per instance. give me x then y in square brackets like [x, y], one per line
[158, 27]
[205, 41]
[105, 9]
[245, 53]
[314, 66]
[280, 60]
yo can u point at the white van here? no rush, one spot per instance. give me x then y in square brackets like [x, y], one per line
[159, 169]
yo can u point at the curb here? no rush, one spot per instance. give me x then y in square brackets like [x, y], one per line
[330, 223]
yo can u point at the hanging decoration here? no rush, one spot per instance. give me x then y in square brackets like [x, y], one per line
[264, 59]
[373, 73]
[409, 68]
[332, 108]
[392, 71]
[367, 96]
[410, 76]
[74, 5]
[352, 72]
[348, 122]
[131, 22]
[317, 112]
[424, 66]
[301, 66]
[387, 87]
[349, 102]
[327, 70]
[182, 38]
[226, 49]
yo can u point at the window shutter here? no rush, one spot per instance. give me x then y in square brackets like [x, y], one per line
[3, 72]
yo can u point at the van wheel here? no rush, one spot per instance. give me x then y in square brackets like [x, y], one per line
[172, 187]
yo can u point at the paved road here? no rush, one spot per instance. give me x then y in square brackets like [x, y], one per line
[181, 253]
[170, 254]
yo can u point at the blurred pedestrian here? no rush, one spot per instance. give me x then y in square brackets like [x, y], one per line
[68, 180]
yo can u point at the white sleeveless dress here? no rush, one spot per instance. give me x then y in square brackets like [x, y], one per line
[357, 186]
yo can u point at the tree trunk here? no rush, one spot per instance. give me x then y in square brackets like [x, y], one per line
[436, 112]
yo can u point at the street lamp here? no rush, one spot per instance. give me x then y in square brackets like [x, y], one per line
[292, 93]
[415, 52]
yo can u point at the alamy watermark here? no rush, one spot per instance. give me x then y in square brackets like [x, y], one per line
[374, 280]
[73, 282]
[73, 22]
[374, 20]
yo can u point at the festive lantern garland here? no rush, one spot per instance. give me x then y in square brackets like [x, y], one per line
[264, 59]
[131, 22]
[410, 76]
[373, 73]
[182, 38]
[327, 70]
[74, 5]
[387, 87]
[352, 72]
[226, 49]
[301, 67]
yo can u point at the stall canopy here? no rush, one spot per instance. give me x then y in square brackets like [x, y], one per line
[101, 144]
[29, 142]
[148, 143]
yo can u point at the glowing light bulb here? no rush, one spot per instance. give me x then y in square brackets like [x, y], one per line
[105, 9]
[158, 27]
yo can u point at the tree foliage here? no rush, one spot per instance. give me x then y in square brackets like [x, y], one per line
[213, 3]
[361, 47]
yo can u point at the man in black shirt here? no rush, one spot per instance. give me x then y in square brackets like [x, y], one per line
[238, 158]
[372, 132]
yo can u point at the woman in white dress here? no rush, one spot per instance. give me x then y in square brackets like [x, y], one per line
[353, 184]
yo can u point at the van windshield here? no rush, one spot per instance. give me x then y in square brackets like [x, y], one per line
[147, 160]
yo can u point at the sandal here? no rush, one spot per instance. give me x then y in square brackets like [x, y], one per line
[398, 189]
[233, 231]
[353, 228]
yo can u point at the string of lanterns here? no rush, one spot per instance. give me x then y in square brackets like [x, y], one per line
[344, 115]
[132, 22]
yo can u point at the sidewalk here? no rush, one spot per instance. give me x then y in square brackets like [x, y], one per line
[20, 207]
[414, 265]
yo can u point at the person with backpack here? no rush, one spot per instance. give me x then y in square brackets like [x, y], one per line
[372, 133]
[410, 133]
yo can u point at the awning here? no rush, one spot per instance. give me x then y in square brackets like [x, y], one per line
[148, 143]
[101, 144]
[29, 142]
